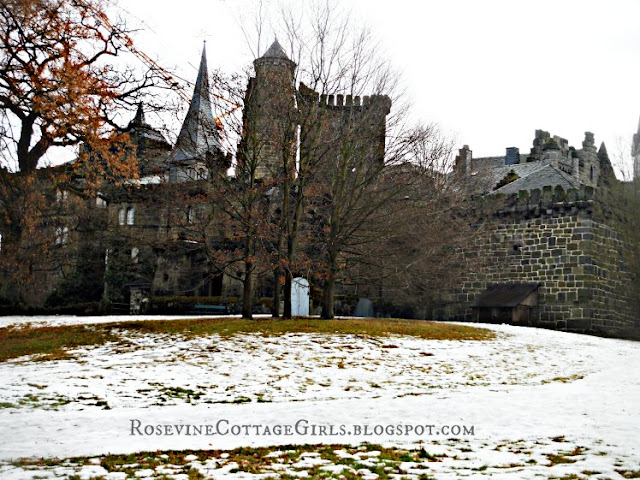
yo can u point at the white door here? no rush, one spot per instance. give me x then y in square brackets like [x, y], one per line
[300, 297]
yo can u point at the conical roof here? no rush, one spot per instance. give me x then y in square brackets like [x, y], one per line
[603, 150]
[275, 51]
[635, 147]
[141, 131]
[139, 119]
[198, 134]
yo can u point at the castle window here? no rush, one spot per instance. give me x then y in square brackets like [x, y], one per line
[61, 196]
[101, 202]
[131, 216]
[0, 242]
[62, 236]
[135, 252]
[190, 214]
[516, 248]
[121, 216]
[591, 173]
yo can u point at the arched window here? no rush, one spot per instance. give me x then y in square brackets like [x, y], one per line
[61, 196]
[121, 216]
[190, 215]
[131, 216]
[135, 251]
[62, 236]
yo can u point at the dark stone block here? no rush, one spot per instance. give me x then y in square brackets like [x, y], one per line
[579, 324]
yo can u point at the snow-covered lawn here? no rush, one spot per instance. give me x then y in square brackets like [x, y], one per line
[541, 404]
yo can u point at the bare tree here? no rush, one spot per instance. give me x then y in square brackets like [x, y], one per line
[620, 201]
[336, 192]
[61, 85]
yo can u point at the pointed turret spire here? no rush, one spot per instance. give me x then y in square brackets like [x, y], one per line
[275, 51]
[602, 152]
[198, 135]
[635, 146]
[139, 119]
[275, 57]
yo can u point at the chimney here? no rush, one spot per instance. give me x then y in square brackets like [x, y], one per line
[463, 161]
[513, 156]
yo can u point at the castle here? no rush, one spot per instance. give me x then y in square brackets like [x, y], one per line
[550, 250]
[546, 249]
[144, 240]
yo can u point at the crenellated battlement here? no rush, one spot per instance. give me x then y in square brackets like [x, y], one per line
[546, 202]
[341, 101]
[566, 241]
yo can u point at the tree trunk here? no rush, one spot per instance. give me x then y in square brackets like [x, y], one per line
[291, 252]
[329, 290]
[275, 311]
[247, 292]
[288, 281]
[327, 298]
[247, 282]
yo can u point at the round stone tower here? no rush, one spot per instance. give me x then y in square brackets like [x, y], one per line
[269, 116]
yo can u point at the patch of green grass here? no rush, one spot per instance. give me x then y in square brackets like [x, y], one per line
[241, 399]
[52, 342]
[38, 462]
[561, 457]
[194, 474]
[629, 473]
[375, 327]
[571, 476]
[564, 379]
[179, 392]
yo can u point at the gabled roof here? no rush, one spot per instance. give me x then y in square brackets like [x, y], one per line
[545, 176]
[505, 295]
[199, 133]
[487, 175]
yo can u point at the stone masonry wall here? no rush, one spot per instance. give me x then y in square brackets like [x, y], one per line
[553, 238]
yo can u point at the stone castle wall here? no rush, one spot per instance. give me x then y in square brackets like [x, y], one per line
[559, 240]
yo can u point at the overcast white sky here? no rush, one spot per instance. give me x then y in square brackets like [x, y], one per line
[491, 72]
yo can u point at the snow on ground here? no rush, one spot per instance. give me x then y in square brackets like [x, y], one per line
[57, 320]
[528, 395]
